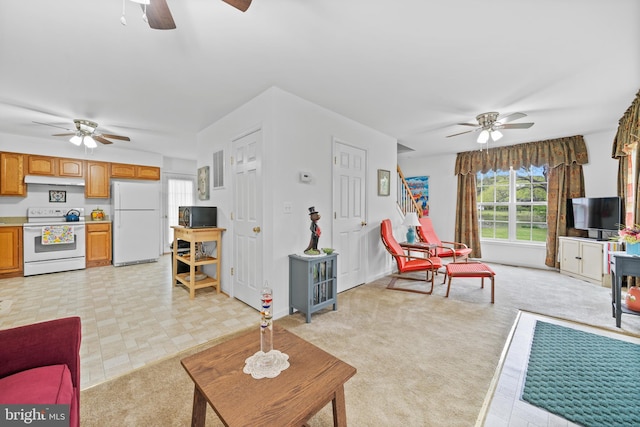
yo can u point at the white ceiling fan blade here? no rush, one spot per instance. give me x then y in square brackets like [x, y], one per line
[55, 126]
[513, 126]
[511, 117]
[461, 133]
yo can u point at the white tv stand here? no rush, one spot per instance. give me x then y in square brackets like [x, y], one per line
[586, 259]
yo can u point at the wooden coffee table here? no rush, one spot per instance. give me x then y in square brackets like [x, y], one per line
[313, 379]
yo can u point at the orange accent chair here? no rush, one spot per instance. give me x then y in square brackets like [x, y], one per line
[407, 263]
[455, 250]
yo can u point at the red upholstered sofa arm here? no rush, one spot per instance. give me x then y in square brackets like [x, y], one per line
[53, 342]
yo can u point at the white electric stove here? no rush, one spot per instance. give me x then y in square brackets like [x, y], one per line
[54, 240]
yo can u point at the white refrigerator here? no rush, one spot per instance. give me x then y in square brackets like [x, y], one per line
[136, 222]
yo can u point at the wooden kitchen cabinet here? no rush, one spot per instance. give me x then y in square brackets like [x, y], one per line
[41, 165]
[98, 244]
[12, 170]
[53, 166]
[148, 172]
[11, 251]
[97, 180]
[70, 167]
[127, 171]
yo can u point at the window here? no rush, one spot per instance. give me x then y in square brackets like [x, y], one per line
[512, 205]
[180, 192]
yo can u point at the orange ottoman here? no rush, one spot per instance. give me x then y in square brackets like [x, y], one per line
[470, 269]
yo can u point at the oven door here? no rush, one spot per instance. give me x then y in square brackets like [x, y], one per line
[36, 250]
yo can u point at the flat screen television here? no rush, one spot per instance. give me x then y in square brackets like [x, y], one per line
[595, 213]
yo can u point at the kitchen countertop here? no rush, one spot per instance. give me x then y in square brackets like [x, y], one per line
[88, 220]
[12, 221]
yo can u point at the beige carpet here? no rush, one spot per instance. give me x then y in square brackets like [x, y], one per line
[422, 360]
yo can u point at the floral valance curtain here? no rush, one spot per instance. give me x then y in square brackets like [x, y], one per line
[628, 129]
[552, 152]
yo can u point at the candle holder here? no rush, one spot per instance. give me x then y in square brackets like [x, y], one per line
[266, 363]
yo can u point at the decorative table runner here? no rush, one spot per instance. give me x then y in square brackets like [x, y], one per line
[588, 379]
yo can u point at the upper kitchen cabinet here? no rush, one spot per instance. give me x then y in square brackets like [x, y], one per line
[12, 175]
[70, 167]
[53, 166]
[97, 180]
[127, 171]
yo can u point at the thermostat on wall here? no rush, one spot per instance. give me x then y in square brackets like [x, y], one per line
[305, 177]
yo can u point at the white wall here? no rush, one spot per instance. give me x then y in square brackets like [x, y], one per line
[297, 136]
[600, 181]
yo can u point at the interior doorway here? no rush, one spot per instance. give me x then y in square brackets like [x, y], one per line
[247, 218]
[349, 213]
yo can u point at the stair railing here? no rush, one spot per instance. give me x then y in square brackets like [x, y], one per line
[406, 202]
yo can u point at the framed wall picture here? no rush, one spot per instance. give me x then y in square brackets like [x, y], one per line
[419, 186]
[57, 196]
[384, 182]
[203, 183]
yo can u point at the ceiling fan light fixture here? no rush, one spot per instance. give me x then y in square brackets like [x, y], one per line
[89, 142]
[483, 138]
[496, 135]
[76, 139]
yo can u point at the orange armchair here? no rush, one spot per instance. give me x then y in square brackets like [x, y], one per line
[407, 263]
[455, 250]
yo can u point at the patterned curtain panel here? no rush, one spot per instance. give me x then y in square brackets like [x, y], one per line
[564, 156]
[565, 182]
[628, 134]
[467, 215]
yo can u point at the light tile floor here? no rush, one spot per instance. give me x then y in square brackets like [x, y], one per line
[131, 315]
[506, 409]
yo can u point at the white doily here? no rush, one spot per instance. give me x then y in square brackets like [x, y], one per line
[266, 365]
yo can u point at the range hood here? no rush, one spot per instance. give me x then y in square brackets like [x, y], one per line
[53, 180]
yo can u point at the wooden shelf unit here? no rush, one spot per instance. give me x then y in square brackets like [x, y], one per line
[193, 236]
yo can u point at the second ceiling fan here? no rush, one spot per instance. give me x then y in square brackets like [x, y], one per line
[159, 16]
[489, 125]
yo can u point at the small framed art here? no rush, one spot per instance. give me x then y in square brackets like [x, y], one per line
[203, 183]
[57, 196]
[384, 182]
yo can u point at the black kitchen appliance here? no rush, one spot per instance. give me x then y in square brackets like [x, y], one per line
[183, 249]
[198, 216]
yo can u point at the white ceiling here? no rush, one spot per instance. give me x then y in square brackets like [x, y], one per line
[411, 69]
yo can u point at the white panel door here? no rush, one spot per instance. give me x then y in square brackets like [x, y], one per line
[247, 219]
[349, 217]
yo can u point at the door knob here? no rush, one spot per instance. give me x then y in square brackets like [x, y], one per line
[363, 223]
[256, 229]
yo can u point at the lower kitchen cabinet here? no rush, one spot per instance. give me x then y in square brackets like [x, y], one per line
[98, 244]
[11, 263]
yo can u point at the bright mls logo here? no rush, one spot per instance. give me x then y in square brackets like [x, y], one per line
[34, 415]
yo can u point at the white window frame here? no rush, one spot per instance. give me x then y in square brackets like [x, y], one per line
[512, 205]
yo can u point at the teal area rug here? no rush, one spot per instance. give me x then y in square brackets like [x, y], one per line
[586, 378]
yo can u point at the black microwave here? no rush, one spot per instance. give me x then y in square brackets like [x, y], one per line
[198, 216]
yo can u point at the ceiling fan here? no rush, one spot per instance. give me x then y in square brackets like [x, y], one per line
[158, 15]
[489, 125]
[85, 133]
